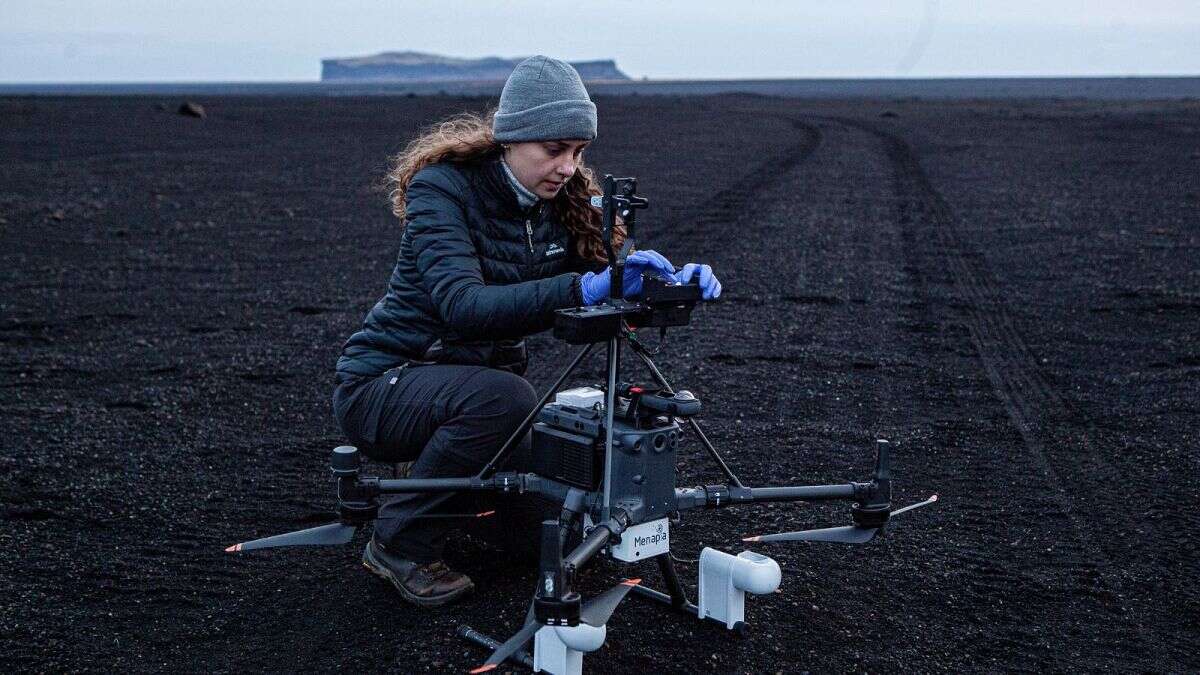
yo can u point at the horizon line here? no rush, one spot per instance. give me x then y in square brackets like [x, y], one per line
[631, 80]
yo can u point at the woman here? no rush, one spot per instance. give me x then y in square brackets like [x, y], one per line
[498, 234]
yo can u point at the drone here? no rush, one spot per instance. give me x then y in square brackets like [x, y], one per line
[607, 454]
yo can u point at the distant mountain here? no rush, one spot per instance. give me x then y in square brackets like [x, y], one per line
[419, 67]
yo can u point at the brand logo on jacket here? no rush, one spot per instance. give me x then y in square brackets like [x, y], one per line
[554, 249]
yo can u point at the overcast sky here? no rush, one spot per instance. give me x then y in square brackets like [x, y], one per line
[226, 40]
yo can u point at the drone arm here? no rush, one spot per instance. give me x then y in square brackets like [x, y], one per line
[505, 481]
[806, 493]
[874, 496]
[716, 496]
[407, 485]
[596, 540]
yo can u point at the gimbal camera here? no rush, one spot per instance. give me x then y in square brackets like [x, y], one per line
[607, 455]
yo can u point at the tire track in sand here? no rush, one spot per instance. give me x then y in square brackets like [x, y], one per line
[724, 208]
[1088, 483]
[733, 202]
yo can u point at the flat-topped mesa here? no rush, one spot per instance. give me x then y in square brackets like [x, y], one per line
[420, 67]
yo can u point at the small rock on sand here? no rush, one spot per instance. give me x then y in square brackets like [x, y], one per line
[192, 109]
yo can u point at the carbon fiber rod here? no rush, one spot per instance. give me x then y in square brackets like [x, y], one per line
[507, 448]
[662, 381]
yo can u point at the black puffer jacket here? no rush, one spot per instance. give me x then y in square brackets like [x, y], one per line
[476, 273]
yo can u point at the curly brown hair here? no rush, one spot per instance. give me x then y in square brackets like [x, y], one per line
[467, 137]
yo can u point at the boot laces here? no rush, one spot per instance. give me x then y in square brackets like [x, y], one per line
[436, 570]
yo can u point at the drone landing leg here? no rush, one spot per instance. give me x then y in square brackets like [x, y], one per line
[677, 600]
[674, 588]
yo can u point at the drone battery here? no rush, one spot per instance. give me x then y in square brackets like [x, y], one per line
[580, 397]
[568, 445]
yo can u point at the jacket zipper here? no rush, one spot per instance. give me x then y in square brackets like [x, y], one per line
[529, 233]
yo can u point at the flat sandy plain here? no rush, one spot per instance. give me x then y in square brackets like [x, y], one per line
[1009, 290]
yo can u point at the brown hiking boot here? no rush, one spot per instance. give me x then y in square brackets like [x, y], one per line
[424, 584]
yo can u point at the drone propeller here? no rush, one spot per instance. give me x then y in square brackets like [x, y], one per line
[436, 516]
[332, 534]
[322, 535]
[597, 611]
[910, 507]
[848, 534]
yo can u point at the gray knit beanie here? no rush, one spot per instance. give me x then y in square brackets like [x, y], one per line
[544, 100]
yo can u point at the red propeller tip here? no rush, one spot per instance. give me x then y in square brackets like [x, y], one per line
[484, 514]
[751, 538]
[631, 582]
[483, 669]
[233, 549]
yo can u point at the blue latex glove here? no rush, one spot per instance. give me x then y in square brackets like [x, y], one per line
[597, 286]
[710, 288]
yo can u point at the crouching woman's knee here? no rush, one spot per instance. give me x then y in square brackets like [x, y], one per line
[499, 400]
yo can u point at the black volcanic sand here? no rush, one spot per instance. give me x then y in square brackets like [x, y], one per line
[1009, 291]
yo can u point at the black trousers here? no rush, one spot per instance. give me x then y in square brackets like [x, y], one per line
[450, 420]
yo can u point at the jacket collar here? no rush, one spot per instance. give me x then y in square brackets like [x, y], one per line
[524, 197]
[496, 181]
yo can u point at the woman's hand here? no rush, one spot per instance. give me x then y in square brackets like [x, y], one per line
[710, 288]
[596, 287]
